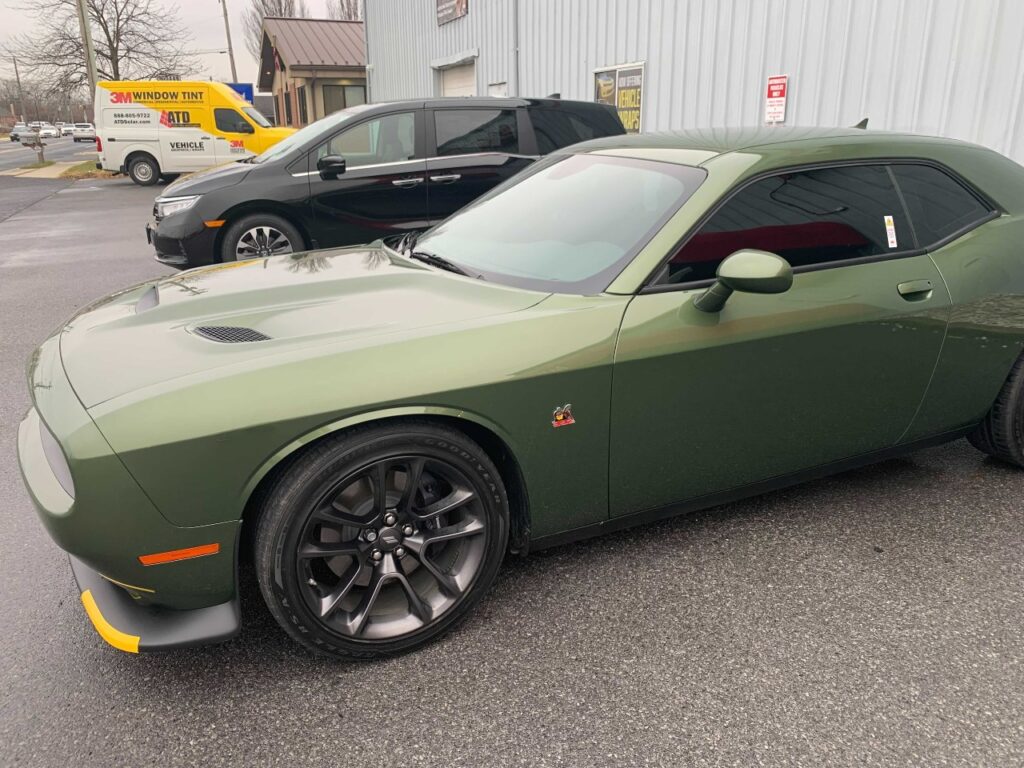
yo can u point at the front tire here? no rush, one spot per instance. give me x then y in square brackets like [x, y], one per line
[381, 540]
[259, 235]
[144, 170]
[1001, 433]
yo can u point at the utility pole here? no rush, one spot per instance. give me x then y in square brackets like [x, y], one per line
[21, 96]
[90, 54]
[227, 31]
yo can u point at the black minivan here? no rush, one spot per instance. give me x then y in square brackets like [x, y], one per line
[364, 173]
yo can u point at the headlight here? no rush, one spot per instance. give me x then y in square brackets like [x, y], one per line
[55, 457]
[165, 206]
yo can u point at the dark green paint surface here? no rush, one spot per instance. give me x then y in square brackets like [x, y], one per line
[168, 434]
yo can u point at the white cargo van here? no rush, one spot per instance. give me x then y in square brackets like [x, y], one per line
[150, 129]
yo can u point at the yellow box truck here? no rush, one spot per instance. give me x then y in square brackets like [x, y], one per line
[153, 128]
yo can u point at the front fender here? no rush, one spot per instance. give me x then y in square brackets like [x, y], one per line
[365, 418]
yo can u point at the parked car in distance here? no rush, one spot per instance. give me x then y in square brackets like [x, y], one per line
[631, 328]
[83, 132]
[18, 130]
[363, 173]
[66, 129]
[47, 131]
[150, 129]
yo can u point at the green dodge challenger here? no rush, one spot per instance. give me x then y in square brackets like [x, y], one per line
[631, 328]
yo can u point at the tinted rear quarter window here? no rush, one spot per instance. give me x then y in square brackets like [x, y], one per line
[465, 131]
[939, 205]
[557, 128]
[807, 217]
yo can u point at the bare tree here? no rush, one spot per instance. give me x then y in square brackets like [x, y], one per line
[345, 10]
[133, 39]
[252, 19]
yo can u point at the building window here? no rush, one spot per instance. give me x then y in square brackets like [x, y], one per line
[288, 107]
[303, 113]
[337, 97]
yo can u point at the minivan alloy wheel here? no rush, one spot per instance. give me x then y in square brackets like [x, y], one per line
[263, 240]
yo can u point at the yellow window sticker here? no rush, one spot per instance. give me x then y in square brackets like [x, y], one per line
[890, 231]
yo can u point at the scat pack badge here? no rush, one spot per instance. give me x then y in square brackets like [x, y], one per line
[562, 416]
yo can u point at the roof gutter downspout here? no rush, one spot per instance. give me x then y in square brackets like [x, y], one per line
[366, 52]
[515, 45]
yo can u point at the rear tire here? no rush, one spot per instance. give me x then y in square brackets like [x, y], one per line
[379, 541]
[144, 170]
[1001, 433]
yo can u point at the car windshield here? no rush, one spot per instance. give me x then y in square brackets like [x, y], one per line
[568, 225]
[311, 131]
[256, 116]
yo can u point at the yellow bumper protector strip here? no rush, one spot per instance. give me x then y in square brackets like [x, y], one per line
[120, 640]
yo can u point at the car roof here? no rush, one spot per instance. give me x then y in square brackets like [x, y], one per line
[767, 140]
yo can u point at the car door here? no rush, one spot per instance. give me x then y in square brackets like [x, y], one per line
[233, 131]
[837, 366]
[383, 190]
[474, 150]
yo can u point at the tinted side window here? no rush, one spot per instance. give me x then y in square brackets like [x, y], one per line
[387, 139]
[556, 129]
[230, 121]
[808, 217]
[938, 204]
[464, 131]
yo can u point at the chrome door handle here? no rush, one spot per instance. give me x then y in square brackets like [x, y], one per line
[446, 178]
[915, 290]
[406, 183]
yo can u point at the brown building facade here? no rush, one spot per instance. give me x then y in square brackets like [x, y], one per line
[313, 67]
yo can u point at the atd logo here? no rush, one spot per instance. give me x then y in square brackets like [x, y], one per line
[172, 119]
[121, 97]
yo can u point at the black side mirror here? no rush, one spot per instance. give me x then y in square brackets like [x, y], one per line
[330, 166]
[245, 128]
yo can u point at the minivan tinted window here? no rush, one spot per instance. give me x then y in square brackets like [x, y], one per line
[556, 128]
[806, 217]
[466, 131]
[939, 205]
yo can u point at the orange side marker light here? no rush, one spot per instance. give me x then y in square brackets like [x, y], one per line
[173, 555]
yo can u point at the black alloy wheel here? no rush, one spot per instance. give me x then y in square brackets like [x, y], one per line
[377, 543]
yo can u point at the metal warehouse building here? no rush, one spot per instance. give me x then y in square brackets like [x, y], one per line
[948, 67]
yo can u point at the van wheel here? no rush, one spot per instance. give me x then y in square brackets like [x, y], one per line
[259, 235]
[144, 171]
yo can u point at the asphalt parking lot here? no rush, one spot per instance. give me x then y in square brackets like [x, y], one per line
[873, 618]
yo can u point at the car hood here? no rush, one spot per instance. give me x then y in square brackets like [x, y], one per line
[208, 180]
[151, 334]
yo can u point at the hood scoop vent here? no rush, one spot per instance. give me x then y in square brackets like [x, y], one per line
[230, 334]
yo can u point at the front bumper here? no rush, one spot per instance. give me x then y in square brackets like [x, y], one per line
[109, 526]
[182, 241]
[128, 626]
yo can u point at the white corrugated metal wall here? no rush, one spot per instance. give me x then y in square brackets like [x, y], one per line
[948, 67]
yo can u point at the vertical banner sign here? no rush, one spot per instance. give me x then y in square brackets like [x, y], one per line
[775, 99]
[450, 10]
[623, 88]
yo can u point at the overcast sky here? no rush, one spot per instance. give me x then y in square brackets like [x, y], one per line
[203, 19]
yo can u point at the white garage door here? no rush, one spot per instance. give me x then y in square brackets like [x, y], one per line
[459, 81]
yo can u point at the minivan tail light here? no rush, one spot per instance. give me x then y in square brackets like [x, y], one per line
[99, 144]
